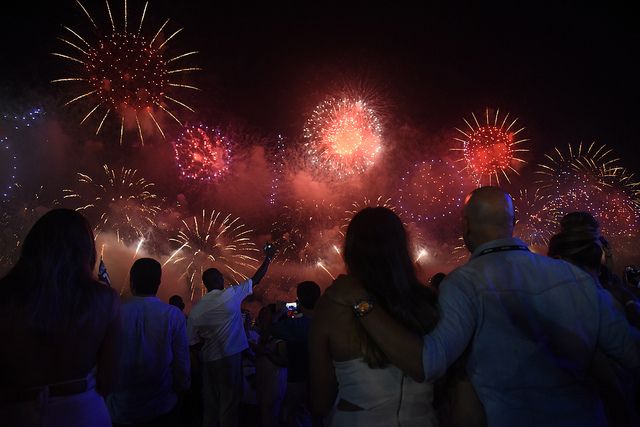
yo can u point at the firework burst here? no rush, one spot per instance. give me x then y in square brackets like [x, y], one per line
[343, 137]
[535, 222]
[214, 240]
[588, 178]
[357, 206]
[125, 73]
[432, 190]
[117, 200]
[202, 154]
[305, 231]
[491, 150]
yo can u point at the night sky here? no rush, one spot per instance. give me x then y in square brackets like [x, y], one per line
[569, 72]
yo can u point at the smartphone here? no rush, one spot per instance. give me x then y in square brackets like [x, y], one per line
[292, 308]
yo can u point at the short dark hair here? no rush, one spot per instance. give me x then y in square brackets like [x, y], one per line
[176, 301]
[212, 279]
[436, 279]
[145, 276]
[308, 293]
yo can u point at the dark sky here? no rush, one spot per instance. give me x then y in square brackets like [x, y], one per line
[569, 71]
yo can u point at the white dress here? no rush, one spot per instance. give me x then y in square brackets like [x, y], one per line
[387, 397]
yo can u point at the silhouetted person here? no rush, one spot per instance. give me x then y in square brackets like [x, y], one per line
[154, 361]
[295, 332]
[176, 301]
[347, 366]
[59, 327]
[215, 323]
[534, 322]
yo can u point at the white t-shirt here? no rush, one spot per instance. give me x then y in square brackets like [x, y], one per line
[216, 320]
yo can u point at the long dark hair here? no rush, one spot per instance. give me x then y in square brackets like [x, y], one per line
[52, 280]
[377, 254]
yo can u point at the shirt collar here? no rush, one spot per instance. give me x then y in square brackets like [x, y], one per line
[496, 243]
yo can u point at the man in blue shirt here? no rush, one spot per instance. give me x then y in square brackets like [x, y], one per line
[531, 325]
[154, 362]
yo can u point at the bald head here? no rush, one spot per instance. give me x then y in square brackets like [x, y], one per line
[488, 215]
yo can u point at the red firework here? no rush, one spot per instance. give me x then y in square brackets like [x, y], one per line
[344, 137]
[202, 154]
[125, 73]
[490, 150]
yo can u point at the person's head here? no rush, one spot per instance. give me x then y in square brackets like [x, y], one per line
[579, 242]
[265, 317]
[212, 279]
[436, 279]
[176, 301]
[376, 253]
[308, 293]
[145, 276]
[54, 273]
[487, 215]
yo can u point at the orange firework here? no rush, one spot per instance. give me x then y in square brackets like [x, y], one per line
[125, 73]
[344, 137]
[491, 150]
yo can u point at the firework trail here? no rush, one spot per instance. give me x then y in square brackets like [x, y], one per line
[202, 154]
[490, 150]
[343, 137]
[432, 190]
[278, 163]
[124, 73]
[118, 200]
[214, 240]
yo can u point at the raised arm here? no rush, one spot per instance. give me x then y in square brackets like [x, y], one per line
[269, 252]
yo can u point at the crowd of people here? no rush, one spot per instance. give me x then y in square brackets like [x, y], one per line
[510, 338]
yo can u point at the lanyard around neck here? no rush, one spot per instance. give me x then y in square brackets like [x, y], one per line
[505, 248]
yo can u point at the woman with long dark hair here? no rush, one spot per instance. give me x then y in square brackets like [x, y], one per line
[59, 327]
[346, 364]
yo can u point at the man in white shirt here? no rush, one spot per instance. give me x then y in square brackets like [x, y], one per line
[154, 361]
[215, 323]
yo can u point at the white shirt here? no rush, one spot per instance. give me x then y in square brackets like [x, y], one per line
[154, 361]
[216, 320]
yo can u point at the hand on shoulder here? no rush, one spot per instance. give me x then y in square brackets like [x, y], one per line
[346, 290]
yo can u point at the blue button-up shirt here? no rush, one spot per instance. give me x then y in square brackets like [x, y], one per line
[532, 325]
[154, 362]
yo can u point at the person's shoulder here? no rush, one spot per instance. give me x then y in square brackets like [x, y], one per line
[104, 293]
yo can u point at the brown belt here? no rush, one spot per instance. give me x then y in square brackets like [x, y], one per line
[34, 393]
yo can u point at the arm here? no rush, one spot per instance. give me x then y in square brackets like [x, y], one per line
[269, 252]
[616, 337]
[181, 364]
[402, 347]
[322, 377]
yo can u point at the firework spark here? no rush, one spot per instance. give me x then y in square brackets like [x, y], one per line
[202, 154]
[432, 190]
[278, 163]
[118, 200]
[491, 150]
[125, 73]
[343, 137]
[589, 178]
[535, 221]
[17, 215]
[214, 240]
[11, 123]
[303, 230]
